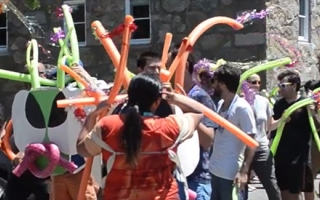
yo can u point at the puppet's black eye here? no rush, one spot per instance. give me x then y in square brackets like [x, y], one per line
[57, 115]
[34, 113]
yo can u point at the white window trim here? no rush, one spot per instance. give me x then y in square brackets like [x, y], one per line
[306, 28]
[77, 2]
[139, 41]
[5, 48]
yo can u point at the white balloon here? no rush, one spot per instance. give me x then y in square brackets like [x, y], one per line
[188, 151]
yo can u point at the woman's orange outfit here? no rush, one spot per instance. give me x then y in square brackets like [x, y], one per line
[152, 178]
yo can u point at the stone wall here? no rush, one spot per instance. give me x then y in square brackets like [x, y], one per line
[176, 16]
[284, 21]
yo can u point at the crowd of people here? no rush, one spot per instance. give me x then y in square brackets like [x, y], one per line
[137, 139]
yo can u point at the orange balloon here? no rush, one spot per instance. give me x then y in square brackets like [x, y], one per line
[245, 138]
[191, 40]
[166, 47]
[114, 54]
[86, 101]
[113, 94]
[111, 49]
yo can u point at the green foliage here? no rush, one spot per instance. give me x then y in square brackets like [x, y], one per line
[32, 4]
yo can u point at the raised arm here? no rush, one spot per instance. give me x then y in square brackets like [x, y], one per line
[272, 124]
[205, 129]
[187, 124]
[91, 129]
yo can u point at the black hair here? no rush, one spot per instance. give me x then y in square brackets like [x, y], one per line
[292, 76]
[144, 57]
[191, 60]
[144, 89]
[228, 75]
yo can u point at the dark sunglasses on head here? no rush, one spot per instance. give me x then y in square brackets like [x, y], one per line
[284, 85]
[255, 82]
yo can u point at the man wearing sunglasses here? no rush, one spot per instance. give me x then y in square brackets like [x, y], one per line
[292, 161]
[230, 160]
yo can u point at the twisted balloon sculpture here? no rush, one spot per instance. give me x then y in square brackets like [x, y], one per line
[35, 150]
[50, 151]
[66, 56]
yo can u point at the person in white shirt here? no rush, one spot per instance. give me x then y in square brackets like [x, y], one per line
[230, 160]
[263, 162]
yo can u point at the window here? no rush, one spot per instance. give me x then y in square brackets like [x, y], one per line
[140, 11]
[3, 31]
[304, 24]
[79, 19]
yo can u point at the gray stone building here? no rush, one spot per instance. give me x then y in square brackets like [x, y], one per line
[297, 22]
[154, 19]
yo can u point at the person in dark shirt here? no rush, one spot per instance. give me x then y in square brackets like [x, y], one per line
[293, 171]
[315, 153]
[200, 180]
[150, 62]
[312, 84]
[20, 188]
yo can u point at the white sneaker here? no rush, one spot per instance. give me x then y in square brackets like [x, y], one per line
[251, 188]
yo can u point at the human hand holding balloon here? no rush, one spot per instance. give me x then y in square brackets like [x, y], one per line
[171, 97]
[167, 86]
[18, 159]
[288, 119]
[178, 89]
[241, 180]
[81, 71]
[312, 108]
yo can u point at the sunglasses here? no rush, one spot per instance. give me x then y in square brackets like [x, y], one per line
[255, 82]
[284, 85]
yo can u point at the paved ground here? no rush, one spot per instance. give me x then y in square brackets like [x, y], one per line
[260, 194]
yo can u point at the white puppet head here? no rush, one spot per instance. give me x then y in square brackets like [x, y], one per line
[37, 119]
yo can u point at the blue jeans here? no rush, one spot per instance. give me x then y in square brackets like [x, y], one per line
[203, 190]
[223, 189]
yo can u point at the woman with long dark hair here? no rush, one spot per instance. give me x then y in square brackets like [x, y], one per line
[136, 146]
